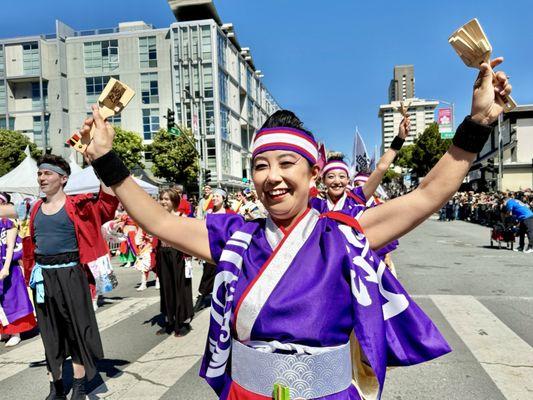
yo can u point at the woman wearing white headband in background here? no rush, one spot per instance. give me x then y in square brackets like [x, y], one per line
[293, 290]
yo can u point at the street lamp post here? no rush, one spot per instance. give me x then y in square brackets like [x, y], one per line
[198, 142]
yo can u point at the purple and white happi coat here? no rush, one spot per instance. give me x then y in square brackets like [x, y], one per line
[309, 288]
[349, 202]
[14, 300]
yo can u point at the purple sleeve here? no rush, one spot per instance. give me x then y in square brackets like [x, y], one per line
[358, 191]
[6, 223]
[220, 227]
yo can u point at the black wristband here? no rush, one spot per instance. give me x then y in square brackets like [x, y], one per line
[110, 169]
[397, 143]
[471, 136]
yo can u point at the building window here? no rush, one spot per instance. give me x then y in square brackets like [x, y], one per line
[196, 80]
[209, 117]
[249, 82]
[206, 43]
[224, 122]
[30, 58]
[11, 125]
[250, 107]
[3, 98]
[186, 81]
[211, 156]
[221, 50]
[177, 50]
[94, 86]
[184, 33]
[208, 80]
[195, 42]
[150, 122]
[149, 88]
[100, 56]
[2, 69]
[226, 158]
[148, 52]
[36, 95]
[38, 134]
[223, 86]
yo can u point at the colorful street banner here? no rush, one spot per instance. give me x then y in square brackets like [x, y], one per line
[445, 121]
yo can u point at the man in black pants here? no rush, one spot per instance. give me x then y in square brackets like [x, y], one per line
[65, 237]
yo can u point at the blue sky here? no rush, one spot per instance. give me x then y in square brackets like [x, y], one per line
[331, 61]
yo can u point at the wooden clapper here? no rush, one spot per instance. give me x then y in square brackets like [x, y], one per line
[472, 45]
[114, 98]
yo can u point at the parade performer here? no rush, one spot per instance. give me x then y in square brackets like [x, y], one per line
[16, 310]
[295, 291]
[205, 289]
[205, 203]
[145, 260]
[65, 237]
[128, 248]
[176, 280]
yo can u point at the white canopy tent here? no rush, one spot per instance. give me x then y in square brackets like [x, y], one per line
[22, 179]
[86, 181]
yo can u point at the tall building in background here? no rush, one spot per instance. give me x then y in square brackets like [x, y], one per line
[195, 67]
[402, 84]
[421, 112]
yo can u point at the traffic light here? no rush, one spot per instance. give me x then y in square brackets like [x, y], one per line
[171, 122]
[207, 176]
[491, 167]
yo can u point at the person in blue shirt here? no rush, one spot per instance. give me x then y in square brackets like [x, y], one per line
[524, 215]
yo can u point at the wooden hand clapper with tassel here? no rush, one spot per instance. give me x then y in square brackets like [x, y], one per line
[472, 45]
[112, 101]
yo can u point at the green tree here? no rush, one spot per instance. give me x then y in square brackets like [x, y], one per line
[405, 157]
[428, 149]
[129, 146]
[390, 176]
[174, 157]
[12, 145]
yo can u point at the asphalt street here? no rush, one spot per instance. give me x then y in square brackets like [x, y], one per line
[480, 298]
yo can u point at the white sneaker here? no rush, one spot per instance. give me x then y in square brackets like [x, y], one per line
[529, 249]
[13, 341]
[141, 287]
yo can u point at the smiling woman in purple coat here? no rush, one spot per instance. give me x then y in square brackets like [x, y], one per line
[301, 301]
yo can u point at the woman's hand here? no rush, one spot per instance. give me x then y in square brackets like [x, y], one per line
[103, 135]
[485, 109]
[405, 127]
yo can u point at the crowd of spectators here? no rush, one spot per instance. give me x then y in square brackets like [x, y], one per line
[482, 208]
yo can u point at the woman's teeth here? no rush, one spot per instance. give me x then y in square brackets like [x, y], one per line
[278, 192]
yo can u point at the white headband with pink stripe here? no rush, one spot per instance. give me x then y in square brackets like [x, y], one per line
[333, 165]
[283, 138]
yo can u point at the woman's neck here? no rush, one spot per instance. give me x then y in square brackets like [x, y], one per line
[286, 224]
[334, 198]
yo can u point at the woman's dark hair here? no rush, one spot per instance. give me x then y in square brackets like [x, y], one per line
[173, 195]
[55, 160]
[7, 196]
[335, 156]
[287, 119]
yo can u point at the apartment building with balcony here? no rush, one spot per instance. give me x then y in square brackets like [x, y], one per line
[195, 67]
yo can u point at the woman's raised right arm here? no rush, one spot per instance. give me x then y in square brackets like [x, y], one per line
[186, 234]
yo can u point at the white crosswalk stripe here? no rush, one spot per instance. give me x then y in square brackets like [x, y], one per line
[504, 356]
[155, 372]
[507, 359]
[20, 358]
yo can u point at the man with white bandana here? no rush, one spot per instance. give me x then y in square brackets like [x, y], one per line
[65, 239]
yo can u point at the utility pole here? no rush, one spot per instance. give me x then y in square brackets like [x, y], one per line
[500, 152]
